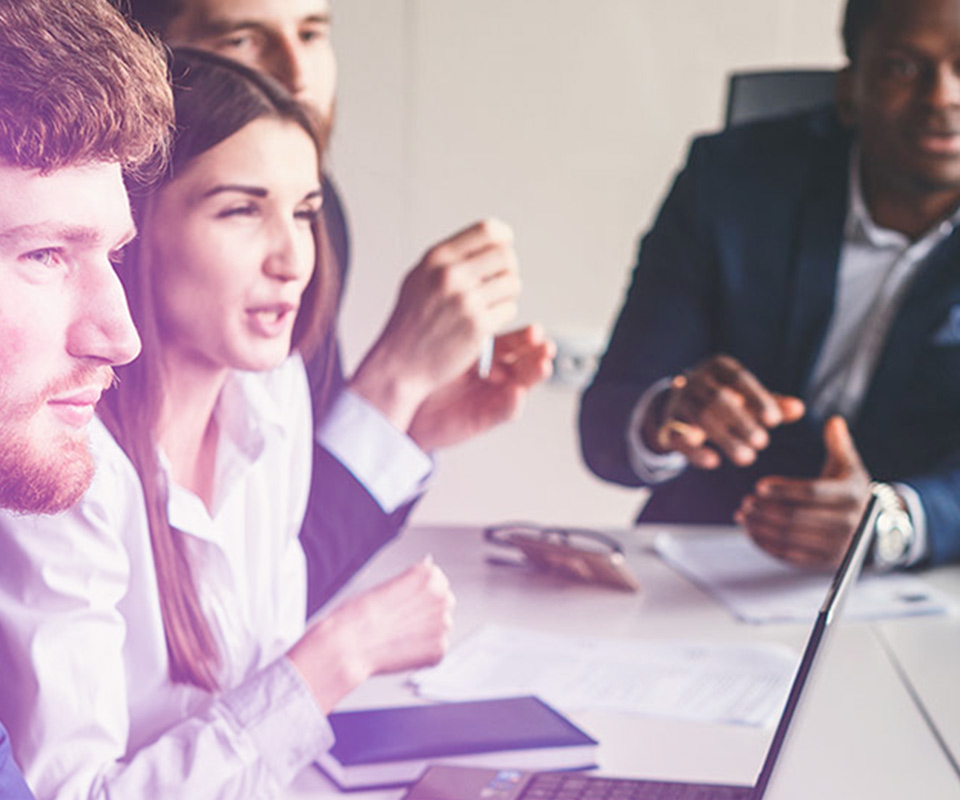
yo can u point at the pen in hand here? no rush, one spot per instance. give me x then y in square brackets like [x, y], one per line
[486, 358]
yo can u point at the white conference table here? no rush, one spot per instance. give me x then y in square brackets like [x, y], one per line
[883, 721]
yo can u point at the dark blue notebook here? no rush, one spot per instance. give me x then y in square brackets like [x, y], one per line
[392, 746]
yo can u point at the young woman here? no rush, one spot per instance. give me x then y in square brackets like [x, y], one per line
[152, 638]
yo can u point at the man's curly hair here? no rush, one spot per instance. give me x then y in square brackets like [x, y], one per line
[79, 85]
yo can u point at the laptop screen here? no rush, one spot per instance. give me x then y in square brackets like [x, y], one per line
[845, 576]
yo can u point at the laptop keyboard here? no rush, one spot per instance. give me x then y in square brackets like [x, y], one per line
[571, 786]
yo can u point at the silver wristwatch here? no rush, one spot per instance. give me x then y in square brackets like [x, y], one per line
[894, 534]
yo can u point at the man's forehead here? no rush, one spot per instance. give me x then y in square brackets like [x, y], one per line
[218, 12]
[75, 203]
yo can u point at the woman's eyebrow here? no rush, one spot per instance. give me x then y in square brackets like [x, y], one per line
[255, 191]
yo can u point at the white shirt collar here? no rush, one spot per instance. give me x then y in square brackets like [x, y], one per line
[248, 416]
[860, 225]
[244, 409]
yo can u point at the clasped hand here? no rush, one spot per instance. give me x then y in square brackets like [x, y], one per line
[401, 624]
[421, 373]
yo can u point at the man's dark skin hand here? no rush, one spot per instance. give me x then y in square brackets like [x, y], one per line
[720, 409]
[809, 521]
[717, 409]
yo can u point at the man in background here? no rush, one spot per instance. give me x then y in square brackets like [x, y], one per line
[418, 389]
[82, 100]
[793, 327]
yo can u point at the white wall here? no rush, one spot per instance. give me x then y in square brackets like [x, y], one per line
[567, 119]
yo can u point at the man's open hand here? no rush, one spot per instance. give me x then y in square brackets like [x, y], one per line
[809, 522]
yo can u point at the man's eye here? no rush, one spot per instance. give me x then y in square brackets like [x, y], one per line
[900, 68]
[235, 41]
[46, 257]
[308, 35]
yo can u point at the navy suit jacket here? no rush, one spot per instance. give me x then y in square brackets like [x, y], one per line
[344, 526]
[743, 259]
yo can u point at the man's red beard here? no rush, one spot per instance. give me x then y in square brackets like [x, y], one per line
[45, 481]
[34, 483]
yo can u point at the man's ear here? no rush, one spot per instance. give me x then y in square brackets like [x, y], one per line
[846, 106]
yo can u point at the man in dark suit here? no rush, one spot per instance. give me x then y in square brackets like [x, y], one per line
[792, 332]
[417, 390]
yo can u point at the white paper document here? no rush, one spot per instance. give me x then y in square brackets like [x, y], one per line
[757, 587]
[735, 684]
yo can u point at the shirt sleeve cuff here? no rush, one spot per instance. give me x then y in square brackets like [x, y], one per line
[919, 549]
[282, 719]
[386, 461]
[651, 467]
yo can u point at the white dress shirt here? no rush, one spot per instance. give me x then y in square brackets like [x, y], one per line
[877, 267]
[386, 462]
[86, 689]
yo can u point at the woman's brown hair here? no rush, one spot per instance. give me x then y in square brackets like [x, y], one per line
[213, 98]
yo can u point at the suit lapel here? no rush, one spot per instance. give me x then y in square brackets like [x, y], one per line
[823, 213]
[925, 307]
[935, 279]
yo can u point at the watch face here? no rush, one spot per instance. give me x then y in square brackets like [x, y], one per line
[892, 538]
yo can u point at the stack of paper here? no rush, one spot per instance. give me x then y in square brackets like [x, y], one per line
[759, 588]
[740, 684]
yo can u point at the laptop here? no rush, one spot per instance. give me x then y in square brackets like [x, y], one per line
[468, 783]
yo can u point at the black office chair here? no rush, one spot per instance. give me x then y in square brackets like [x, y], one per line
[765, 94]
